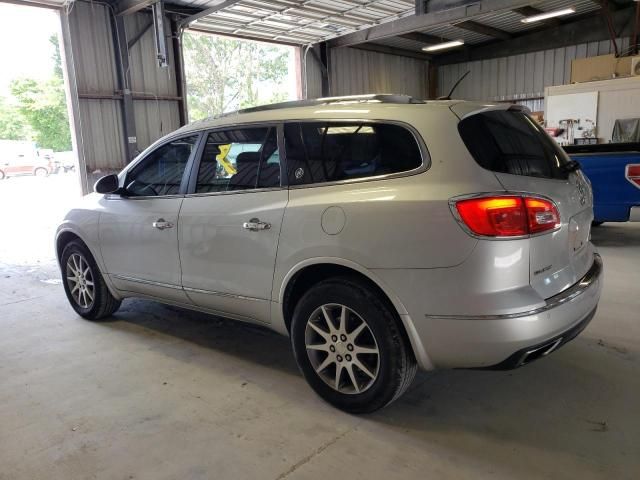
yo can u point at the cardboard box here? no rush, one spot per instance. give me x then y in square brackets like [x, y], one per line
[602, 67]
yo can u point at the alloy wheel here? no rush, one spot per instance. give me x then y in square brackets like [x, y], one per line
[342, 349]
[80, 280]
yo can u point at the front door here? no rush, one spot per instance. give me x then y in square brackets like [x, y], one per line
[139, 229]
[230, 222]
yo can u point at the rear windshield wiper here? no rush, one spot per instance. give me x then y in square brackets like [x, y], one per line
[570, 166]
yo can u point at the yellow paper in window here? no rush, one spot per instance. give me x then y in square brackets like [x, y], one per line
[221, 158]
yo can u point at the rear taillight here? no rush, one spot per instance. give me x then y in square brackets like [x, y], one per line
[508, 216]
[632, 172]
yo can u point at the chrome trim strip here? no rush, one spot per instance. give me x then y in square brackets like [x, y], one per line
[186, 289]
[235, 192]
[146, 282]
[222, 294]
[425, 156]
[561, 298]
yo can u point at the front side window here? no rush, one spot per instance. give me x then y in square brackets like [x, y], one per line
[161, 172]
[320, 152]
[239, 159]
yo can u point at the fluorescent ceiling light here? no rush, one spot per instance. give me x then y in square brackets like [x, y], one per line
[546, 15]
[442, 46]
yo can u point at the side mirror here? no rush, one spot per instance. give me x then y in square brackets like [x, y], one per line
[107, 184]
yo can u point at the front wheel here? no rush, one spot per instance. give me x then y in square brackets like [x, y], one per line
[2, 175]
[350, 346]
[86, 290]
[41, 172]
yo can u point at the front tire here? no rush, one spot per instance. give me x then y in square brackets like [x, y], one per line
[86, 290]
[41, 172]
[350, 347]
[2, 175]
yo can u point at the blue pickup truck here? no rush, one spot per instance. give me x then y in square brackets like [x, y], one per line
[614, 172]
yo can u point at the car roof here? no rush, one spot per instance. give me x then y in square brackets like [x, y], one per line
[361, 107]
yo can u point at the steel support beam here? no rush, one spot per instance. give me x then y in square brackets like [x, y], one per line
[124, 79]
[325, 63]
[422, 22]
[127, 7]
[136, 38]
[178, 68]
[591, 28]
[400, 52]
[422, 38]
[476, 27]
[529, 11]
[219, 5]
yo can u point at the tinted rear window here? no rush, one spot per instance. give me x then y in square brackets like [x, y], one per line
[330, 151]
[512, 142]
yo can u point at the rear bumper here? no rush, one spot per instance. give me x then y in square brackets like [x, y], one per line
[634, 214]
[535, 352]
[511, 340]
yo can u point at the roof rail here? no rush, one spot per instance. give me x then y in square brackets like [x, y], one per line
[347, 99]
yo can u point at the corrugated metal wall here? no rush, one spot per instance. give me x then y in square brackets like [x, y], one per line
[356, 72]
[519, 78]
[94, 62]
[154, 118]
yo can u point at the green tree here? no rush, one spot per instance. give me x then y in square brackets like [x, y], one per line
[56, 57]
[12, 125]
[225, 74]
[43, 106]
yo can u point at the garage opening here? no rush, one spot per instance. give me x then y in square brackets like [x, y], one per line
[225, 74]
[38, 172]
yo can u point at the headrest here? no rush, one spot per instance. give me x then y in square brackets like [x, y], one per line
[248, 157]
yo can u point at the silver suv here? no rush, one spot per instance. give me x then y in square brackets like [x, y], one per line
[379, 232]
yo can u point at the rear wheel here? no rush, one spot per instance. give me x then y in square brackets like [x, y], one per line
[40, 172]
[350, 346]
[86, 290]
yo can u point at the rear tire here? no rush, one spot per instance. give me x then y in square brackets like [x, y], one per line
[2, 175]
[358, 361]
[84, 285]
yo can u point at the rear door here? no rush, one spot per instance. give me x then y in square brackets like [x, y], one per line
[524, 158]
[230, 223]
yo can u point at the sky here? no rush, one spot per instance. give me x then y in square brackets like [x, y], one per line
[24, 43]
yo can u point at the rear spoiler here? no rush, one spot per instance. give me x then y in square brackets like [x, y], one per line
[464, 110]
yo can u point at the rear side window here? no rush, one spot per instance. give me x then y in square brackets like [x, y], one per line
[512, 142]
[320, 152]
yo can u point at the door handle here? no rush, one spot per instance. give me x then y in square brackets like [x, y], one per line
[162, 224]
[255, 225]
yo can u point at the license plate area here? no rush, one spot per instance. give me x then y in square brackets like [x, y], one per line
[579, 231]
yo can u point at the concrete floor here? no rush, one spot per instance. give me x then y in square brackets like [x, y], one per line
[161, 393]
